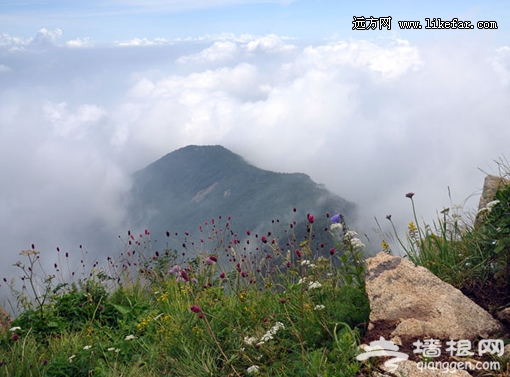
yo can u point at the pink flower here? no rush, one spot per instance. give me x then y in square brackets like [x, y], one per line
[263, 239]
[310, 218]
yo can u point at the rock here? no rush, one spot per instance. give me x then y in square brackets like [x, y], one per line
[5, 320]
[504, 315]
[491, 184]
[410, 369]
[416, 304]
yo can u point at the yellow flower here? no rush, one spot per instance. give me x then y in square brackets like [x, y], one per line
[385, 245]
[411, 227]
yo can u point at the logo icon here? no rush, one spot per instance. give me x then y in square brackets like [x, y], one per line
[383, 347]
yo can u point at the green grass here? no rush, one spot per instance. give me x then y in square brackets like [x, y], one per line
[266, 309]
[277, 303]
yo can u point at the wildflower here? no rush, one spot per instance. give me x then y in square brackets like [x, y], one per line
[254, 369]
[195, 309]
[492, 204]
[298, 253]
[129, 337]
[319, 307]
[250, 340]
[12, 329]
[332, 251]
[282, 300]
[385, 246]
[305, 262]
[222, 275]
[310, 218]
[71, 358]
[26, 253]
[314, 284]
[388, 217]
[410, 195]
[336, 226]
[15, 337]
[184, 275]
[175, 270]
[351, 234]
[302, 280]
[87, 347]
[212, 259]
[357, 244]
[335, 218]
[263, 239]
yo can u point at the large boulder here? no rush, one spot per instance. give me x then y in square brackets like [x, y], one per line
[491, 184]
[411, 302]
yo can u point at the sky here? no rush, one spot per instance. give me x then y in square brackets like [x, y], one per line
[92, 91]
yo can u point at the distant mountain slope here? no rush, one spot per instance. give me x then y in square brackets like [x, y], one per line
[191, 185]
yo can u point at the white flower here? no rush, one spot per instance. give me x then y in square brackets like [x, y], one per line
[130, 337]
[319, 307]
[305, 262]
[351, 234]
[357, 244]
[336, 226]
[267, 336]
[87, 347]
[111, 349]
[71, 358]
[12, 329]
[254, 369]
[492, 204]
[302, 280]
[250, 340]
[314, 284]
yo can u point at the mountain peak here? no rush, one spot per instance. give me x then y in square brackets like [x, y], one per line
[186, 187]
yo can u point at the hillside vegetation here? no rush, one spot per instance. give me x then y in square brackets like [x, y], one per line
[278, 304]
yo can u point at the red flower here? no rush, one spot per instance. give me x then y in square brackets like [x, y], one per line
[195, 309]
[263, 239]
[410, 195]
[310, 218]
[332, 251]
[298, 253]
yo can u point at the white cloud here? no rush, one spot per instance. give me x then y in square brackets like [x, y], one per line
[73, 124]
[269, 43]
[4, 68]
[370, 119]
[220, 51]
[79, 43]
[144, 42]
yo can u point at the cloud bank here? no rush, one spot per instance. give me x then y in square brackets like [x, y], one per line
[370, 119]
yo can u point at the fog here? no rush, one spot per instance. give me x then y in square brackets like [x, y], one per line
[372, 119]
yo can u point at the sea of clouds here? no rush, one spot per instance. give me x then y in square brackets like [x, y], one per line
[370, 119]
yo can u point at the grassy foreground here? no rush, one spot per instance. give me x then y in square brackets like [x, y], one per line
[274, 304]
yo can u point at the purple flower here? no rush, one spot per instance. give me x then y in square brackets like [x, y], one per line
[335, 218]
[195, 309]
[184, 275]
[410, 195]
[175, 270]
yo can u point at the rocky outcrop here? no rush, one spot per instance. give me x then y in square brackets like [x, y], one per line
[413, 303]
[491, 184]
